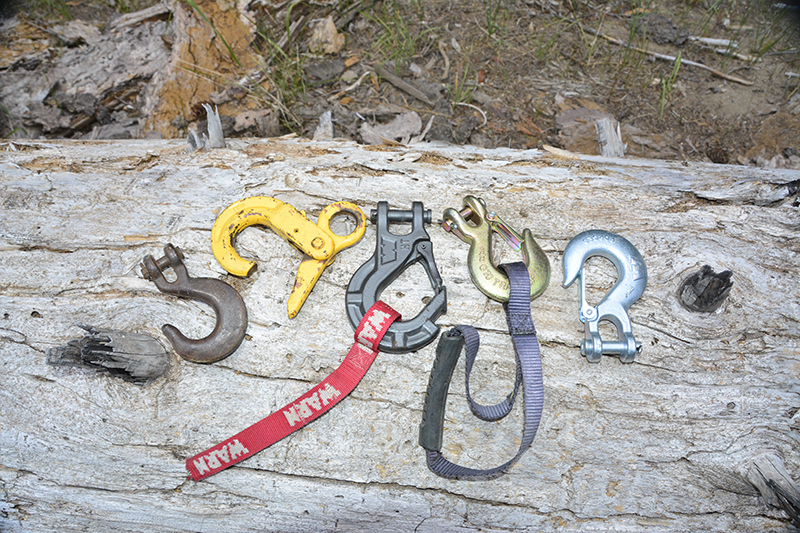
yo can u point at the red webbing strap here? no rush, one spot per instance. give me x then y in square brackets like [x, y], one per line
[306, 408]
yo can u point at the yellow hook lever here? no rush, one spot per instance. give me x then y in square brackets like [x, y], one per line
[311, 269]
[317, 241]
[478, 233]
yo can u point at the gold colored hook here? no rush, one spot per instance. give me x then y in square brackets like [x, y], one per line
[475, 225]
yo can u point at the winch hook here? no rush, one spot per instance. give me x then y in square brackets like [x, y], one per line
[475, 225]
[228, 305]
[393, 255]
[282, 218]
[630, 285]
[317, 240]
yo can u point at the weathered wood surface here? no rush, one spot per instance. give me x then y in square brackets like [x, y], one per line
[663, 444]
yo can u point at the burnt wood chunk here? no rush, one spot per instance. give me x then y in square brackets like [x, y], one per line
[704, 291]
[134, 357]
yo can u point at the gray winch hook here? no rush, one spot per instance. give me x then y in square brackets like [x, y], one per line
[631, 282]
[393, 255]
[228, 305]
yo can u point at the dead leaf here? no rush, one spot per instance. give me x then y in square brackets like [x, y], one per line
[401, 129]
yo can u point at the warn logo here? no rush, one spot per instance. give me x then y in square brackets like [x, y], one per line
[215, 458]
[370, 327]
[315, 402]
[359, 356]
[307, 407]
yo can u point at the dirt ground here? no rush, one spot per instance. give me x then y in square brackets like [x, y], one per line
[491, 73]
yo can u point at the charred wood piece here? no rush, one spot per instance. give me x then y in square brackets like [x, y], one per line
[704, 291]
[134, 357]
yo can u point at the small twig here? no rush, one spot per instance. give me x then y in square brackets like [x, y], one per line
[737, 55]
[421, 136]
[356, 84]
[476, 108]
[730, 53]
[402, 85]
[665, 57]
[349, 88]
[293, 30]
[714, 42]
[446, 61]
[136, 17]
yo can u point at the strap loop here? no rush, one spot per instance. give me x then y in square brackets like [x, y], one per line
[529, 372]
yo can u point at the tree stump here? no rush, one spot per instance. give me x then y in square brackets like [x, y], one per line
[666, 443]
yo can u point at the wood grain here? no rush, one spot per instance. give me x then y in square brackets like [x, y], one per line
[663, 444]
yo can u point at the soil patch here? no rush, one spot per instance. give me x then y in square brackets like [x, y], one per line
[704, 80]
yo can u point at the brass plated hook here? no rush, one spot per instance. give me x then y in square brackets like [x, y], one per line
[485, 275]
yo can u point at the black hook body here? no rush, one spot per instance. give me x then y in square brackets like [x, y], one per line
[227, 304]
[393, 255]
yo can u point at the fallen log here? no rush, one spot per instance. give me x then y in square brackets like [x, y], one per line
[675, 440]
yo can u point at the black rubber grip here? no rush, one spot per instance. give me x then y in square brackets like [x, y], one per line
[432, 425]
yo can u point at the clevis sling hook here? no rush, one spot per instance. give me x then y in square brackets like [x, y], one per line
[475, 225]
[630, 285]
[393, 255]
[317, 240]
[226, 302]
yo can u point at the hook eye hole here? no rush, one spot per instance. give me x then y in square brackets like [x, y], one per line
[169, 275]
[473, 219]
[399, 228]
[608, 330]
[343, 223]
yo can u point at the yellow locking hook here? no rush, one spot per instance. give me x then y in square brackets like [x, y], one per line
[317, 241]
[474, 225]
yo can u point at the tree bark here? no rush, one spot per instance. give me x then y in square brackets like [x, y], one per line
[663, 444]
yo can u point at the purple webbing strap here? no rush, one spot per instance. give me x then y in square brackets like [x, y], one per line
[489, 413]
[529, 365]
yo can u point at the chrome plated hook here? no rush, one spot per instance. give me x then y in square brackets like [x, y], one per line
[630, 284]
[485, 275]
[227, 304]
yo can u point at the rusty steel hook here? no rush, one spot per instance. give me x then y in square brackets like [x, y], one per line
[228, 305]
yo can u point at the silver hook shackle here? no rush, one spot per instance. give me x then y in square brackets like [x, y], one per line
[630, 285]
